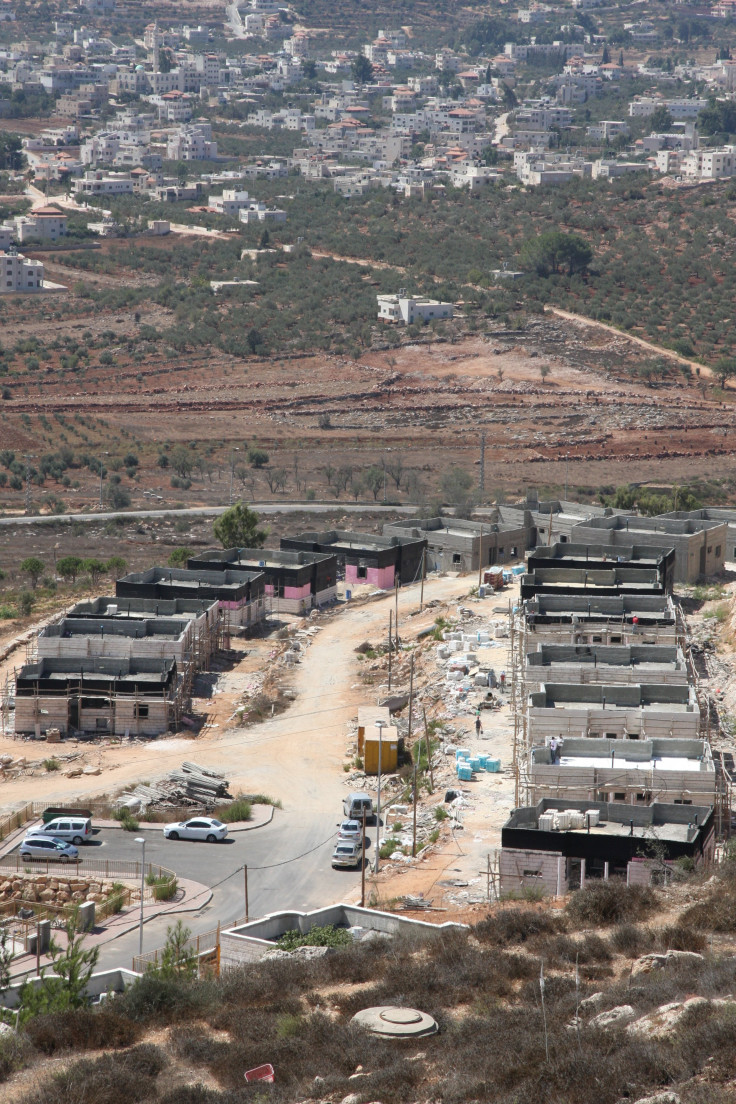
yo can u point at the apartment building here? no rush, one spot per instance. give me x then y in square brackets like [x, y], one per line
[18, 274]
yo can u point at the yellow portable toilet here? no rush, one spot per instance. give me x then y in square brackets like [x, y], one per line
[367, 717]
[389, 751]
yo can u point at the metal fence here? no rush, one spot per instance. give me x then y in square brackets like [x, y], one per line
[116, 869]
[12, 821]
[203, 946]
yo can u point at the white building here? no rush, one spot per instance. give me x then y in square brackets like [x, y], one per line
[19, 274]
[44, 224]
[400, 308]
[607, 130]
[102, 183]
[230, 203]
[258, 212]
[678, 109]
[192, 143]
[608, 170]
[717, 163]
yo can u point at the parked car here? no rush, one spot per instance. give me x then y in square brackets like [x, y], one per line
[77, 830]
[43, 847]
[199, 828]
[350, 830]
[355, 804]
[348, 853]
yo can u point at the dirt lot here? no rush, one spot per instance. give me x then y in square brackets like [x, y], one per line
[588, 423]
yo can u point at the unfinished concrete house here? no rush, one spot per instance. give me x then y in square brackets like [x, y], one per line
[635, 772]
[239, 594]
[626, 619]
[711, 513]
[456, 545]
[606, 663]
[635, 712]
[559, 844]
[553, 520]
[295, 582]
[579, 568]
[366, 558]
[139, 697]
[197, 621]
[700, 546]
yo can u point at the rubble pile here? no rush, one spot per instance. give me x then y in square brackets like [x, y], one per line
[192, 785]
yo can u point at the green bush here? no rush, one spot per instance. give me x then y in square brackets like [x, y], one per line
[328, 936]
[52, 764]
[127, 821]
[239, 809]
[163, 886]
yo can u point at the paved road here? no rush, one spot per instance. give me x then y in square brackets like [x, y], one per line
[213, 511]
[278, 878]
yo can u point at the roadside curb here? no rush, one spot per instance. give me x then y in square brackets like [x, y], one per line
[259, 821]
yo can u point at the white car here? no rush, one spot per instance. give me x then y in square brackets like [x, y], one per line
[199, 828]
[348, 853]
[350, 830]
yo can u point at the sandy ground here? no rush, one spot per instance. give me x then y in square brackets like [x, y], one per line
[285, 757]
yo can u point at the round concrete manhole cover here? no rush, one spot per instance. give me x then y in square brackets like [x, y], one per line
[396, 1023]
[401, 1016]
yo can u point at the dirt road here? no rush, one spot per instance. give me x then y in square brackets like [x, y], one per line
[694, 365]
[296, 757]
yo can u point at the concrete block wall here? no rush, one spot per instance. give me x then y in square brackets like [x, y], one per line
[538, 870]
[250, 942]
[543, 724]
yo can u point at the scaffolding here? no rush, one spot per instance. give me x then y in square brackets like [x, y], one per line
[517, 649]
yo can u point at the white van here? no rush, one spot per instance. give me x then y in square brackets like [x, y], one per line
[355, 804]
[76, 830]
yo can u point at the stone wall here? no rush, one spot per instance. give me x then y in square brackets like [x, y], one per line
[53, 889]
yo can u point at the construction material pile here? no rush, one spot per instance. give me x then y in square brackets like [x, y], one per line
[192, 785]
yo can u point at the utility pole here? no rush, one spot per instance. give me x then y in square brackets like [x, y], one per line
[414, 830]
[232, 472]
[424, 571]
[390, 630]
[362, 867]
[28, 484]
[380, 725]
[411, 693]
[245, 873]
[396, 617]
[482, 473]
[567, 461]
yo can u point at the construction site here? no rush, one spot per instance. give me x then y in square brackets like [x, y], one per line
[297, 674]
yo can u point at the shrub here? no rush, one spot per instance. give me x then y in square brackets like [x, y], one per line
[630, 940]
[239, 809]
[15, 1052]
[610, 902]
[163, 886]
[51, 764]
[388, 847]
[81, 1029]
[126, 818]
[108, 1080]
[328, 936]
[678, 937]
[517, 925]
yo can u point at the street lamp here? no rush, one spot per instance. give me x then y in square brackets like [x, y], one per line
[232, 472]
[380, 725]
[142, 842]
